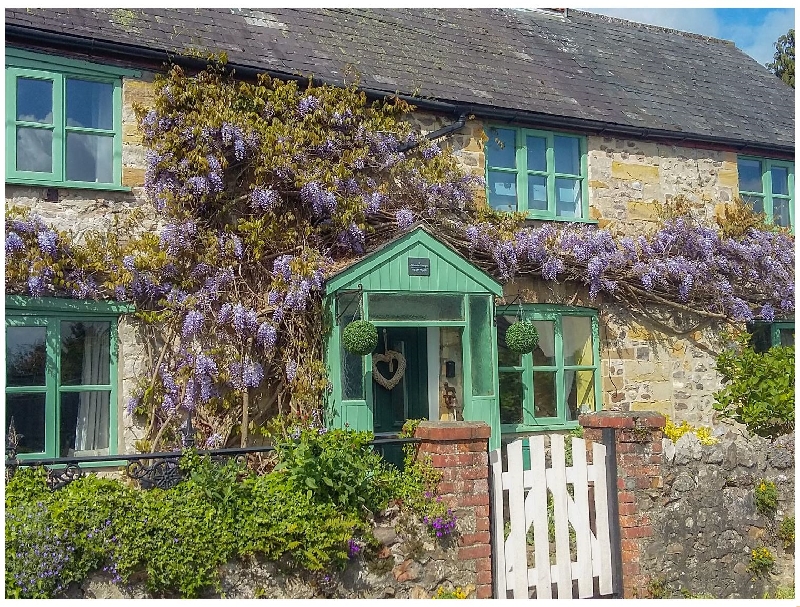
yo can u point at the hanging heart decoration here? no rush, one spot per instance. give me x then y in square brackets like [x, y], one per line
[389, 357]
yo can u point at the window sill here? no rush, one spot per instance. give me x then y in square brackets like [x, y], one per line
[524, 428]
[109, 187]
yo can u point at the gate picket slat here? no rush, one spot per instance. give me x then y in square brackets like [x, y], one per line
[581, 521]
[538, 497]
[498, 539]
[559, 490]
[603, 555]
[516, 510]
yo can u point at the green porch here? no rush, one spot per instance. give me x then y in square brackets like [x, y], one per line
[436, 356]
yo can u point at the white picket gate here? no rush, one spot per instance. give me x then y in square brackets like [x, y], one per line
[592, 547]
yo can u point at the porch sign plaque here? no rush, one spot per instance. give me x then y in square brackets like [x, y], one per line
[419, 266]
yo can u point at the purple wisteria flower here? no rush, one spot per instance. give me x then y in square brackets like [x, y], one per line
[264, 199]
[404, 218]
[192, 323]
[14, 243]
[47, 240]
[308, 104]
[291, 371]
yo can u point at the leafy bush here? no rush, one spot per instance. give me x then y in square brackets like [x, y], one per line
[311, 509]
[761, 561]
[360, 337]
[759, 390]
[766, 497]
[786, 532]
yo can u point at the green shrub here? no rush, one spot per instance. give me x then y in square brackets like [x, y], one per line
[360, 337]
[522, 336]
[786, 532]
[310, 509]
[761, 561]
[759, 388]
[765, 495]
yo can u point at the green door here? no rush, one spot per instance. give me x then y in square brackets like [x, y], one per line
[409, 398]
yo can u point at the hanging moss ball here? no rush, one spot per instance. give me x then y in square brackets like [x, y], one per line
[360, 337]
[522, 337]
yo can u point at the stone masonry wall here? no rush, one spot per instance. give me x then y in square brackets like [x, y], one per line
[705, 522]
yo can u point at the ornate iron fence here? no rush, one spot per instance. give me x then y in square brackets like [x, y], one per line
[149, 470]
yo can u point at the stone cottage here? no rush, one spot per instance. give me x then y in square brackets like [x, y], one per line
[567, 115]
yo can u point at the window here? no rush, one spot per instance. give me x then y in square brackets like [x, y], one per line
[63, 122]
[549, 387]
[768, 185]
[539, 172]
[61, 376]
[768, 335]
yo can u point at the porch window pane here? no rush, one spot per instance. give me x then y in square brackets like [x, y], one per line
[503, 191]
[511, 398]
[480, 341]
[501, 148]
[545, 353]
[505, 357]
[415, 306]
[352, 365]
[786, 337]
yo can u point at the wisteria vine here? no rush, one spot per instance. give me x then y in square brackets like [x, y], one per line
[262, 190]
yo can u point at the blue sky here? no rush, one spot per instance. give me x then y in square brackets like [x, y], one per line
[753, 30]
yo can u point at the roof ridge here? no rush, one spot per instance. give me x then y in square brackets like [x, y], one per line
[648, 26]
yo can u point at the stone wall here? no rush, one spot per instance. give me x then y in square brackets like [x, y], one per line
[705, 523]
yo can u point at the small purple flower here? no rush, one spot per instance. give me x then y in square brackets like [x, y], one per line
[264, 200]
[307, 104]
[47, 242]
[405, 218]
[192, 323]
[14, 243]
[291, 371]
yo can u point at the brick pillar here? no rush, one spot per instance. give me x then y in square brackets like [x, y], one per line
[460, 450]
[635, 437]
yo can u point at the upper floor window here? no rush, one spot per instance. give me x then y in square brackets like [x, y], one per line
[61, 376]
[551, 386]
[63, 122]
[542, 173]
[768, 185]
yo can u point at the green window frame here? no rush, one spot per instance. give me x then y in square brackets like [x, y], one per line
[766, 335]
[775, 198]
[582, 374]
[54, 378]
[57, 131]
[536, 177]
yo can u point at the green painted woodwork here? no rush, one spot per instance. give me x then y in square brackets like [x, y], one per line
[56, 70]
[387, 269]
[524, 173]
[522, 375]
[49, 314]
[769, 335]
[407, 305]
[767, 197]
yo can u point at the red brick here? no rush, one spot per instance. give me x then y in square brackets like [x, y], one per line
[484, 564]
[481, 511]
[625, 496]
[456, 460]
[630, 568]
[656, 447]
[474, 500]
[482, 524]
[628, 532]
[453, 431]
[472, 539]
[628, 520]
[629, 544]
[643, 482]
[627, 508]
[484, 591]
[474, 552]
[485, 577]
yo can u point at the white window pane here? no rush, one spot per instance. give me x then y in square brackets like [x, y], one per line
[537, 153]
[503, 191]
[35, 100]
[537, 193]
[90, 158]
[85, 353]
[578, 392]
[501, 149]
[85, 422]
[34, 150]
[90, 104]
[568, 155]
[780, 181]
[568, 198]
[750, 175]
[577, 345]
[545, 353]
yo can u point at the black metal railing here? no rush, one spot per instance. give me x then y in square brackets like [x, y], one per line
[158, 469]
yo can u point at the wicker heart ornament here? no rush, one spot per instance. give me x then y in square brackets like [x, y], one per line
[389, 357]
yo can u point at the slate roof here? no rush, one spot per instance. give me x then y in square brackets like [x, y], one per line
[584, 67]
